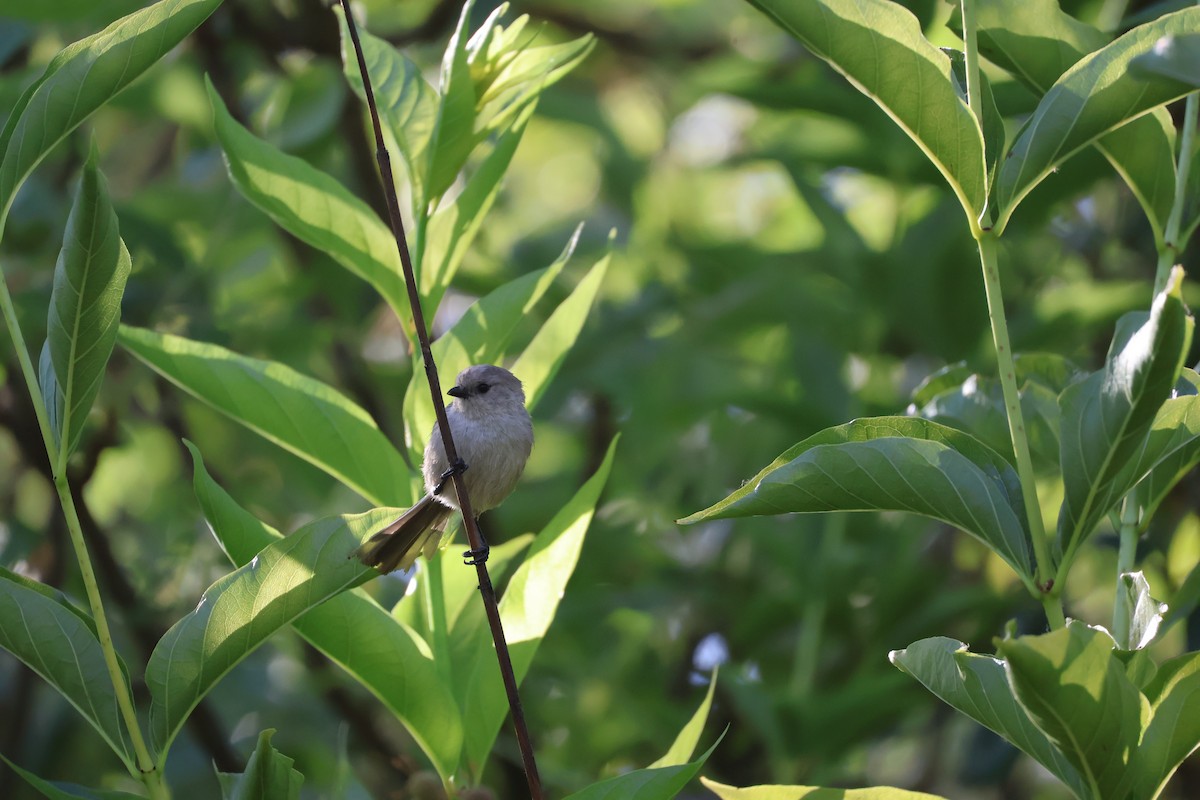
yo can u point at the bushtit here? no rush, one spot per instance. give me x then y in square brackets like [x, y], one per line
[493, 436]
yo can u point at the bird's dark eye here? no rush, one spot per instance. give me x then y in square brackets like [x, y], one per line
[483, 388]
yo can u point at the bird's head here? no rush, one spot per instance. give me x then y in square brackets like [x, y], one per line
[485, 386]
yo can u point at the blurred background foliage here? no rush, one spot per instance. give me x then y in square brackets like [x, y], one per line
[787, 260]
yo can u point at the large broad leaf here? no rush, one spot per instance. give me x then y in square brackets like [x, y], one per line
[58, 642]
[407, 104]
[812, 793]
[1076, 690]
[384, 655]
[241, 610]
[302, 415]
[85, 307]
[1175, 57]
[1037, 42]
[1096, 95]
[58, 790]
[1105, 418]
[654, 783]
[1174, 730]
[893, 464]
[977, 686]
[480, 336]
[83, 77]
[526, 610]
[685, 743]
[269, 775]
[879, 46]
[1172, 449]
[453, 132]
[312, 206]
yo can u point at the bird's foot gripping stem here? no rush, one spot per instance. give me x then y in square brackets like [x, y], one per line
[457, 468]
[479, 555]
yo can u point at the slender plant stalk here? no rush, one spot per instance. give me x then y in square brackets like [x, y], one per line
[1171, 246]
[145, 769]
[1126, 556]
[486, 590]
[1044, 588]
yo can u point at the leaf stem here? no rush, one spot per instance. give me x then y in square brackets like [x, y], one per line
[1171, 246]
[145, 769]
[486, 590]
[1126, 557]
[1050, 594]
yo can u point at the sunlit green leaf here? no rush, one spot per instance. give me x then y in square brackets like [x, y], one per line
[653, 783]
[85, 306]
[312, 206]
[1037, 42]
[58, 642]
[269, 775]
[527, 609]
[384, 655]
[1174, 730]
[1093, 97]
[241, 610]
[879, 46]
[897, 464]
[1145, 614]
[977, 686]
[453, 133]
[813, 793]
[1175, 57]
[1076, 690]
[83, 77]
[1105, 418]
[689, 736]
[301, 415]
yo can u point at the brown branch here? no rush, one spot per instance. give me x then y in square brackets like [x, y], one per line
[486, 590]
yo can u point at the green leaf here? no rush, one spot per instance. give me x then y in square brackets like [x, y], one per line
[879, 46]
[1171, 451]
[653, 783]
[1175, 57]
[992, 124]
[301, 415]
[269, 775]
[58, 642]
[453, 133]
[85, 76]
[1077, 692]
[1174, 730]
[539, 361]
[1037, 42]
[527, 609]
[812, 793]
[382, 654]
[59, 790]
[977, 686]
[313, 207]
[241, 610]
[1105, 418]
[85, 306]
[685, 743]
[454, 227]
[480, 336]
[1145, 613]
[892, 464]
[408, 105]
[1091, 98]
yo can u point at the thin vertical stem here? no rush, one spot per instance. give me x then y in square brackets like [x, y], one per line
[145, 769]
[1171, 246]
[486, 590]
[1016, 428]
[1126, 558]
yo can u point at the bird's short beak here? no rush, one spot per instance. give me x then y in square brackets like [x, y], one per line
[457, 391]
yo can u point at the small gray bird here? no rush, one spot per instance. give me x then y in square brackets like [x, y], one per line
[493, 436]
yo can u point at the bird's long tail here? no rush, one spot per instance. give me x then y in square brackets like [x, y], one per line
[397, 546]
